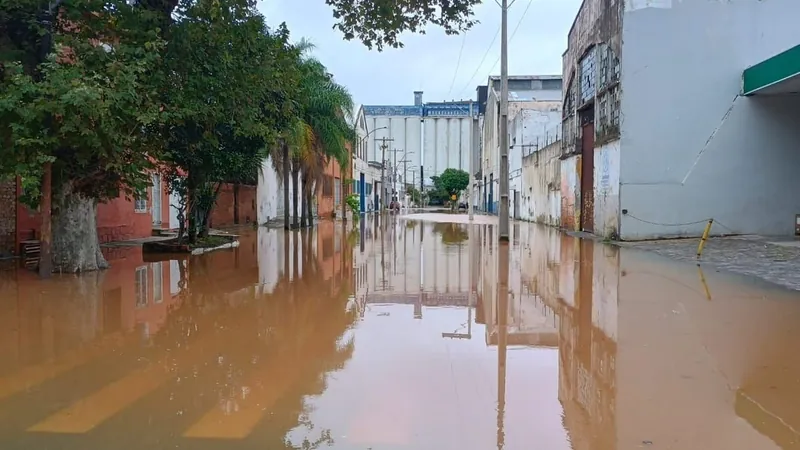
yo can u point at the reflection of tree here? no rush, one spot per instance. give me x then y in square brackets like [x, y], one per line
[297, 329]
[452, 233]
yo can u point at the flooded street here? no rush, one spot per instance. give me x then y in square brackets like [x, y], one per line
[406, 334]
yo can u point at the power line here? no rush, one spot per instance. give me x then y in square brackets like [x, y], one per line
[477, 69]
[489, 49]
[458, 64]
[530, 2]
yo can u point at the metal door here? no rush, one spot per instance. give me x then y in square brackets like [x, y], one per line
[587, 177]
[156, 200]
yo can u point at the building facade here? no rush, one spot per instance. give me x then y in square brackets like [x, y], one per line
[421, 140]
[707, 113]
[540, 97]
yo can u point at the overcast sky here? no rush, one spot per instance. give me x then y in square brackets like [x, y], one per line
[430, 62]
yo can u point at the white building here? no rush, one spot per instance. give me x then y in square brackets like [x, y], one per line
[662, 134]
[422, 140]
[540, 95]
[269, 194]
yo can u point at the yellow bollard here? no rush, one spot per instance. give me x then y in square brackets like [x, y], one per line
[704, 238]
[703, 282]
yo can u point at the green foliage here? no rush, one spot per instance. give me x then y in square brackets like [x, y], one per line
[85, 108]
[379, 23]
[413, 192]
[229, 85]
[453, 181]
[354, 203]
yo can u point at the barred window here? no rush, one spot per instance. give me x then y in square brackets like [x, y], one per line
[609, 66]
[614, 107]
[602, 113]
[588, 71]
[140, 202]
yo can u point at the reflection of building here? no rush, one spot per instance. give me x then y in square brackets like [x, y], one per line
[43, 321]
[411, 262]
[530, 319]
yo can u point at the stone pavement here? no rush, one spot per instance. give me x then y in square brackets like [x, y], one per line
[774, 259]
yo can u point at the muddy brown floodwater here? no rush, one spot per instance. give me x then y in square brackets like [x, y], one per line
[406, 334]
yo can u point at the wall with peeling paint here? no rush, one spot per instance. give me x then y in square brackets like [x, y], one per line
[541, 186]
[570, 193]
[691, 148]
[606, 190]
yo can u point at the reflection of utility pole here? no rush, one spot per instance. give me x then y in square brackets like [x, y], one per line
[504, 124]
[502, 339]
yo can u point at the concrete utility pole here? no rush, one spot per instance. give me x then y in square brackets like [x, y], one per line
[383, 175]
[471, 161]
[504, 123]
[383, 172]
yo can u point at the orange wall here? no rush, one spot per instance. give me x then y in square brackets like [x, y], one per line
[117, 219]
[222, 214]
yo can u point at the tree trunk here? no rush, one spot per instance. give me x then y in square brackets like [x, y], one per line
[236, 204]
[46, 233]
[76, 246]
[285, 150]
[310, 202]
[295, 217]
[304, 222]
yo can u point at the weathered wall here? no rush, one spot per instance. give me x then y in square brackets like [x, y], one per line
[597, 21]
[8, 217]
[269, 194]
[541, 186]
[570, 193]
[327, 203]
[691, 147]
[403, 133]
[606, 190]
[223, 214]
[446, 145]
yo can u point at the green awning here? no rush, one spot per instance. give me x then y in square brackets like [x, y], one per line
[777, 75]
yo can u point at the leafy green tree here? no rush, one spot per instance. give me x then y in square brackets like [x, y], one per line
[379, 23]
[453, 181]
[229, 84]
[83, 111]
[321, 130]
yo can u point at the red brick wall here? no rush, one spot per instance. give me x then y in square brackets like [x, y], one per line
[117, 219]
[222, 214]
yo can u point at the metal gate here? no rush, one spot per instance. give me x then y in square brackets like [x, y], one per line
[587, 172]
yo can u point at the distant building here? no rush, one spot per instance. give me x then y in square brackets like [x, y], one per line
[422, 140]
[662, 134]
[539, 96]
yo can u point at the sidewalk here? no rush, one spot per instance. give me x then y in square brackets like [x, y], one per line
[774, 259]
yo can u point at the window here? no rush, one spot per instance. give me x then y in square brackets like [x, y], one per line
[327, 186]
[337, 191]
[140, 286]
[588, 71]
[158, 285]
[552, 85]
[140, 202]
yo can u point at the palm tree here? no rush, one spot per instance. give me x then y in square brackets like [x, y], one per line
[324, 129]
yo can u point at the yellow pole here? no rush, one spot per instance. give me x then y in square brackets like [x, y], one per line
[703, 282]
[704, 238]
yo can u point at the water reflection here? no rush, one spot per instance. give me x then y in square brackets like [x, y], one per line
[398, 333]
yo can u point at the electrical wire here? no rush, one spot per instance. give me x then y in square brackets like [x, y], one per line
[458, 64]
[480, 64]
[513, 33]
[497, 33]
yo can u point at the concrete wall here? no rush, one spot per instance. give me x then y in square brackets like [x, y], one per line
[269, 194]
[606, 190]
[691, 148]
[446, 145]
[541, 186]
[405, 133]
[570, 193]
[223, 213]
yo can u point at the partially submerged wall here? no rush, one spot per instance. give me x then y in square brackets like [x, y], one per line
[541, 186]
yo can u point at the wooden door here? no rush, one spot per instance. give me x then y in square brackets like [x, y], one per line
[587, 177]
